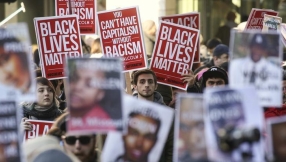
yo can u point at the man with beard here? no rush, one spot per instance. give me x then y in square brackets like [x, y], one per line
[145, 83]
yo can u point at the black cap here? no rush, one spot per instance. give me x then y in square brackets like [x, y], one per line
[214, 72]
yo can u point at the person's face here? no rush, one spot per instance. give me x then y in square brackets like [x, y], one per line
[256, 53]
[145, 85]
[140, 138]
[213, 82]
[13, 74]
[45, 95]
[279, 141]
[82, 148]
[220, 60]
[284, 91]
[82, 94]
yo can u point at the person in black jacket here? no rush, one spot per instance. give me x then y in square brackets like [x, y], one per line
[46, 107]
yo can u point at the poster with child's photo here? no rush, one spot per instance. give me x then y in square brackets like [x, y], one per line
[16, 67]
[95, 94]
[232, 132]
[147, 125]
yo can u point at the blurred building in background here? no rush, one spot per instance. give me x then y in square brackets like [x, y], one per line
[213, 12]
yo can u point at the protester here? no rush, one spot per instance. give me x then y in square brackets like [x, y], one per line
[137, 146]
[145, 84]
[46, 107]
[211, 44]
[46, 148]
[81, 145]
[14, 63]
[149, 29]
[223, 32]
[220, 54]
[215, 76]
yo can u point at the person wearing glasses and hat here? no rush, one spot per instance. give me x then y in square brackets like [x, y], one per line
[82, 146]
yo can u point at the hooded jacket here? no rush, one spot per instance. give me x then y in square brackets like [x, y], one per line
[158, 98]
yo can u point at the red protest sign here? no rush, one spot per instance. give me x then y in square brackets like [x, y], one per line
[40, 127]
[174, 53]
[255, 19]
[121, 36]
[85, 9]
[191, 20]
[58, 38]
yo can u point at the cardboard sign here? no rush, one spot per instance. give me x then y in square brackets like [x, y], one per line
[148, 125]
[40, 127]
[174, 53]
[230, 128]
[191, 20]
[17, 70]
[85, 9]
[271, 23]
[189, 133]
[9, 131]
[276, 134]
[121, 36]
[58, 38]
[261, 66]
[95, 106]
[255, 19]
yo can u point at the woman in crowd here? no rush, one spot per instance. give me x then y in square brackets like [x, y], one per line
[46, 107]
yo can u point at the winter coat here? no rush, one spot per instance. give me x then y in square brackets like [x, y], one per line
[30, 112]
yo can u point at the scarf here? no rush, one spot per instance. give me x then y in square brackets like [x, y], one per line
[50, 113]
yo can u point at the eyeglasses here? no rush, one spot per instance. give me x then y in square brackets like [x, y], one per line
[71, 140]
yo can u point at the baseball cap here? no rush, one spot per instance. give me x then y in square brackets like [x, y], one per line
[214, 72]
[221, 49]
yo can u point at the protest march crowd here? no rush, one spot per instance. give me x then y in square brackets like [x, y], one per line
[141, 92]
